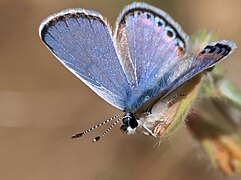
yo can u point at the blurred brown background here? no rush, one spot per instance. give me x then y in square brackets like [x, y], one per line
[42, 104]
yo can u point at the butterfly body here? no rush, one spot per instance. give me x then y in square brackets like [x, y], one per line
[159, 117]
[143, 69]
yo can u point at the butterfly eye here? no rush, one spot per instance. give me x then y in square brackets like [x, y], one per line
[133, 123]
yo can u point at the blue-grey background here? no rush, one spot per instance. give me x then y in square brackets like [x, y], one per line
[42, 104]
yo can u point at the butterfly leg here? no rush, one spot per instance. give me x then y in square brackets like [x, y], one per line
[148, 131]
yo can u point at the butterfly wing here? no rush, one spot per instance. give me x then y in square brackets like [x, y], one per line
[189, 67]
[149, 43]
[82, 42]
[208, 57]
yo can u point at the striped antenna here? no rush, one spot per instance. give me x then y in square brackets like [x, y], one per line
[107, 131]
[90, 129]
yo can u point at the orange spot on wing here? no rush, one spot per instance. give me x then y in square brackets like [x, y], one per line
[208, 56]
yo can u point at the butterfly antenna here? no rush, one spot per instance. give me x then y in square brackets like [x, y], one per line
[90, 129]
[107, 131]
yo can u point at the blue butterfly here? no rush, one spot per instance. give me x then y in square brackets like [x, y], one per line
[136, 68]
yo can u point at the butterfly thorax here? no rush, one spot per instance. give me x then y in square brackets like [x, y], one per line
[137, 99]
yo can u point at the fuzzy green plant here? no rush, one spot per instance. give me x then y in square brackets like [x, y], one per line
[217, 127]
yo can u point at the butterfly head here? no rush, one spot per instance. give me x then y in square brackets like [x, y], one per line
[130, 123]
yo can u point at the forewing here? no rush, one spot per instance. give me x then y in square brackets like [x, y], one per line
[82, 42]
[149, 43]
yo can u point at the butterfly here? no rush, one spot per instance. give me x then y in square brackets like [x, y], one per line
[141, 68]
